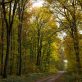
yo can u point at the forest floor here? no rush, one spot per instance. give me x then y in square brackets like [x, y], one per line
[36, 77]
[54, 78]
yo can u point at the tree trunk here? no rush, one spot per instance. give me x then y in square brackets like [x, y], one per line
[74, 34]
[11, 52]
[9, 25]
[7, 55]
[2, 41]
[39, 48]
[19, 48]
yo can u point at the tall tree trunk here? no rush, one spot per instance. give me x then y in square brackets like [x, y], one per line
[2, 41]
[11, 52]
[48, 56]
[7, 55]
[76, 48]
[8, 25]
[21, 7]
[31, 50]
[39, 49]
[74, 35]
[19, 48]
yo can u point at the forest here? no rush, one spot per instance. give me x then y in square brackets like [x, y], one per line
[40, 39]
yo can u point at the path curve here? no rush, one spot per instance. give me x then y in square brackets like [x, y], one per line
[53, 78]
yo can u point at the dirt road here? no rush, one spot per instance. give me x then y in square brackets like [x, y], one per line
[53, 78]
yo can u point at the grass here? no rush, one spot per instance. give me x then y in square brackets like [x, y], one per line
[72, 77]
[28, 78]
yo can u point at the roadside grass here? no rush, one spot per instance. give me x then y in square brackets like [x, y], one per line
[72, 77]
[27, 78]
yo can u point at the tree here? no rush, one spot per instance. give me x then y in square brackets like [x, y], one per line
[21, 8]
[8, 24]
[2, 42]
